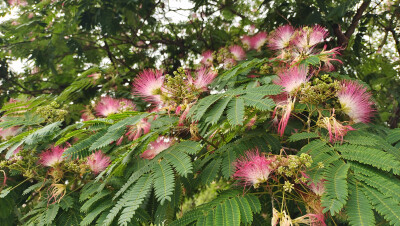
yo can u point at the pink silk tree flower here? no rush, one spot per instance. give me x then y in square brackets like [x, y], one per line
[246, 41]
[207, 58]
[229, 63]
[9, 132]
[281, 37]
[148, 84]
[156, 147]
[327, 56]
[285, 107]
[183, 116]
[87, 114]
[292, 78]
[136, 131]
[308, 37]
[126, 105]
[52, 157]
[204, 77]
[318, 188]
[107, 106]
[335, 129]
[237, 52]
[253, 168]
[355, 101]
[98, 162]
[258, 40]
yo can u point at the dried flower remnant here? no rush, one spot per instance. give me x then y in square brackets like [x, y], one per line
[52, 157]
[253, 168]
[156, 147]
[98, 162]
[355, 101]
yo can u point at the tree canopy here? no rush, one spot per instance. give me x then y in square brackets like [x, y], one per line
[208, 112]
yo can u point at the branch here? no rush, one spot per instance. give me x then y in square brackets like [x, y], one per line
[356, 18]
[343, 39]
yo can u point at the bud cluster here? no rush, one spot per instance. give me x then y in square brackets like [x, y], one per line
[52, 112]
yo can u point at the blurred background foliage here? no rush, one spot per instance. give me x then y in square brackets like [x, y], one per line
[57, 41]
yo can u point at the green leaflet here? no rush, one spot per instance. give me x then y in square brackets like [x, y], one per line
[302, 136]
[384, 205]
[215, 113]
[336, 187]
[258, 101]
[211, 171]
[359, 209]
[79, 149]
[164, 181]
[229, 208]
[235, 111]
[370, 156]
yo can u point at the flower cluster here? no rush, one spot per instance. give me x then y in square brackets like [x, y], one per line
[108, 105]
[157, 146]
[293, 45]
[253, 169]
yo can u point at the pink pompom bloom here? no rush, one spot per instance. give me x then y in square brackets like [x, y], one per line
[52, 157]
[258, 40]
[141, 128]
[355, 101]
[107, 106]
[9, 132]
[336, 130]
[229, 63]
[17, 3]
[281, 37]
[204, 77]
[156, 147]
[292, 78]
[253, 168]
[254, 42]
[237, 52]
[207, 58]
[247, 40]
[148, 84]
[87, 114]
[98, 162]
[308, 37]
[126, 105]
